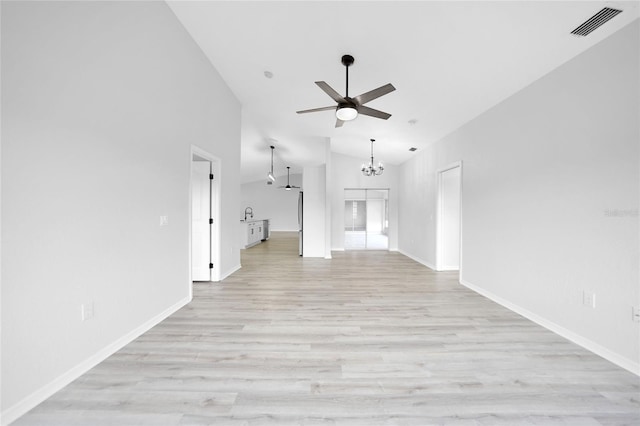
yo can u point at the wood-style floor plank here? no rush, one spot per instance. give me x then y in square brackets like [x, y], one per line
[367, 338]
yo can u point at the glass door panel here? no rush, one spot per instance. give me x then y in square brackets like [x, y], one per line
[366, 219]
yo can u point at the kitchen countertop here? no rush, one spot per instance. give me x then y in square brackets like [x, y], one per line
[253, 220]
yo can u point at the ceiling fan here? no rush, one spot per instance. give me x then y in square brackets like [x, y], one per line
[270, 176]
[349, 108]
[288, 187]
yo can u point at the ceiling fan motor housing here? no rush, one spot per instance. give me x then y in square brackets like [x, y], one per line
[347, 60]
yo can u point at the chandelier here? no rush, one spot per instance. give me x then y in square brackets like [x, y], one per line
[370, 170]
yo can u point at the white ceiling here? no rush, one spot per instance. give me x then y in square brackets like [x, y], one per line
[449, 61]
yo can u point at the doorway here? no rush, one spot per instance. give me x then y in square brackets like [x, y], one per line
[449, 180]
[366, 219]
[205, 214]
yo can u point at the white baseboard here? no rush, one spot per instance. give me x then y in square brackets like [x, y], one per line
[230, 271]
[590, 345]
[22, 407]
[447, 268]
[417, 259]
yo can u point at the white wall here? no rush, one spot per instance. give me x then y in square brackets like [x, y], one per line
[314, 210]
[101, 102]
[346, 174]
[1, 338]
[546, 175]
[271, 202]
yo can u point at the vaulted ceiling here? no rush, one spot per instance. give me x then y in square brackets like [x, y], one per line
[449, 61]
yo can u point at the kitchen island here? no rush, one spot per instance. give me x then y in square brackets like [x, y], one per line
[253, 231]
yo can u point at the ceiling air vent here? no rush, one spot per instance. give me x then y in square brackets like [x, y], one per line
[413, 148]
[595, 21]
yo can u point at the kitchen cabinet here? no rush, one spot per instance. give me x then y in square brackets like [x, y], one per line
[255, 231]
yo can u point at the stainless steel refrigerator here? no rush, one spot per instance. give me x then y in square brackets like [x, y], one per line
[300, 222]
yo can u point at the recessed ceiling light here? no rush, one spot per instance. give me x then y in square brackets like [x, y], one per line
[413, 148]
[412, 121]
[268, 74]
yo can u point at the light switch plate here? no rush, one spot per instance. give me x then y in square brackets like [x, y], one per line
[86, 310]
[589, 299]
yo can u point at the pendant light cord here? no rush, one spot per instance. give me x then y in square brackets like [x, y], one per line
[272, 148]
[372, 152]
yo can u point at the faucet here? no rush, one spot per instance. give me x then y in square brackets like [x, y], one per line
[248, 211]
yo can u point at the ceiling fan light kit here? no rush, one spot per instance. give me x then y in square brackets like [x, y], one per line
[349, 108]
[346, 113]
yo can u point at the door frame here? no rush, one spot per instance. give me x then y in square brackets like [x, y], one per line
[214, 208]
[440, 222]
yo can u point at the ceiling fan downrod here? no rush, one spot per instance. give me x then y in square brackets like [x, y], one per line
[347, 61]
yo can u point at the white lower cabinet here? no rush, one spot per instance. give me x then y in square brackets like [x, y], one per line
[256, 232]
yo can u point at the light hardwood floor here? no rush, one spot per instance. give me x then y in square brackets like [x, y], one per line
[368, 338]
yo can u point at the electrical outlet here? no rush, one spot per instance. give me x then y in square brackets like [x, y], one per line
[635, 313]
[589, 299]
[86, 310]
[164, 220]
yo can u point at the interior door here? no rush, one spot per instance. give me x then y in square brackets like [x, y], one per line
[200, 227]
[449, 220]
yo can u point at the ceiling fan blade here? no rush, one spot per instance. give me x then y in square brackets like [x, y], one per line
[339, 122]
[317, 109]
[329, 91]
[374, 94]
[372, 112]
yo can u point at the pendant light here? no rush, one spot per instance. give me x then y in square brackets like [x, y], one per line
[370, 170]
[270, 176]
